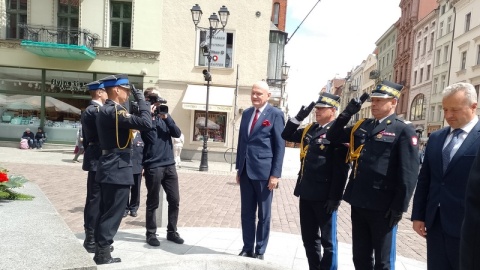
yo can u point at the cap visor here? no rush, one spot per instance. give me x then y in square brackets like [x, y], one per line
[321, 105]
[376, 95]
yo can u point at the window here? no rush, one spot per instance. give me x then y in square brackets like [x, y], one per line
[437, 60]
[449, 22]
[440, 30]
[421, 75]
[121, 24]
[464, 61]
[16, 15]
[445, 54]
[68, 21]
[424, 45]
[440, 115]
[417, 109]
[404, 43]
[442, 83]
[435, 85]
[478, 55]
[221, 49]
[414, 77]
[216, 126]
[477, 89]
[418, 49]
[443, 10]
[467, 21]
[276, 13]
[429, 67]
[432, 41]
[432, 113]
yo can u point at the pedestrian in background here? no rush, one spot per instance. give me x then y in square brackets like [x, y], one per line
[384, 152]
[159, 166]
[114, 174]
[79, 149]
[438, 205]
[320, 182]
[30, 137]
[40, 138]
[177, 149]
[137, 168]
[259, 166]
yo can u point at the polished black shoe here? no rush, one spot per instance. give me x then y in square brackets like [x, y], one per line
[125, 213]
[246, 254]
[152, 240]
[259, 256]
[133, 213]
[174, 237]
[102, 256]
[89, 243]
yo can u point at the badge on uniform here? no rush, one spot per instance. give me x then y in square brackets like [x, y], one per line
[124, 113]
[414, 140]
[322, 147]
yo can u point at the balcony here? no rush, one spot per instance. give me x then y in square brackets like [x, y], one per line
[59, 42]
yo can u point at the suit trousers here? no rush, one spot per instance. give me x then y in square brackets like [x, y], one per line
[166, 177]
[91, 211]
[313, 217]
[113, 201]
[371, 233]
[253, 194]
[134, 201]
[443, 250]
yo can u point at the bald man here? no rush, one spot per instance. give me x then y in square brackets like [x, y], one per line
[259, 162]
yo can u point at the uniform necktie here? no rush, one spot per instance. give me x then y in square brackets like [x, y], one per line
[448, 149]
[255, 118]
[375, 123]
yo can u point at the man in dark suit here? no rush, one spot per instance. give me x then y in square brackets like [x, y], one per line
[259, 162]
[90, 162]
[320, 182]
[384, 152]
[438, 204]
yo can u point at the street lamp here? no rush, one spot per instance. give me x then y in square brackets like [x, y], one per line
[214, 19]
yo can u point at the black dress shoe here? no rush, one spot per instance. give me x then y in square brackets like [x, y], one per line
[133, 213]
[125, 213]
[152, 240]
[259, 256]
[175, 237]
[246, 254]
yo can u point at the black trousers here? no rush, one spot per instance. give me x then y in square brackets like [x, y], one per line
[371, 234]
[114, 198]
[443, 250]
[134, 201]
[166, 177]
[313, 218]
[91, 211]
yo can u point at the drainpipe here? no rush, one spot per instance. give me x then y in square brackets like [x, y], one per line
[451, 45]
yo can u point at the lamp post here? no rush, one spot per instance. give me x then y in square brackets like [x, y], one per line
[214, 19]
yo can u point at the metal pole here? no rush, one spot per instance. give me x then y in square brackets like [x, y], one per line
[234, 119]
[204, 159]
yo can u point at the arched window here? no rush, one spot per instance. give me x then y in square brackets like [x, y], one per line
[418, 109]
[276, 13]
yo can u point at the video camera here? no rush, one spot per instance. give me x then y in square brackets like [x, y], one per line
[159, 102]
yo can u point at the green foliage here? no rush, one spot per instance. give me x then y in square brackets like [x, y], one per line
[14, 181]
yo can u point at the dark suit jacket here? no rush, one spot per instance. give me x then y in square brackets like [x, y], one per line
[470, 233]
[261, 153]
[445, 189]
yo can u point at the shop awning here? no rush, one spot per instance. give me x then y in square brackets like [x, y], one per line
[220, 98]
[46, 49]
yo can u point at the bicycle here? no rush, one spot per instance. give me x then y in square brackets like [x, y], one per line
[229, 155]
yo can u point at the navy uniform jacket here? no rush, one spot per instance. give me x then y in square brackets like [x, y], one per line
[113, 125]
[137, 154]
[387, 169]
[324, 168]
[90, 137]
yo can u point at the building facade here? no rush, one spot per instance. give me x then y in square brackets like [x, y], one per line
[386, 46]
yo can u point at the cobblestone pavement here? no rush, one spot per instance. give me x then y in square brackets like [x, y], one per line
[208, 199]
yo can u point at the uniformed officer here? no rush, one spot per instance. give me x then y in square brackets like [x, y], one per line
[321, 181]
[90, 161]
[384, 152]
[137, 156]
[114, 173]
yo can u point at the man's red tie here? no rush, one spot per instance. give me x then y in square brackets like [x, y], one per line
[255, 118]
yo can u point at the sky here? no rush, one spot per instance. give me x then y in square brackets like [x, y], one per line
[337, 36]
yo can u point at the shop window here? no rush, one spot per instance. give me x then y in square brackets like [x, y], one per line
[16, 16]
[121, 24]
[221, 49]
[216, 126]
[68, 11]
[417, 109]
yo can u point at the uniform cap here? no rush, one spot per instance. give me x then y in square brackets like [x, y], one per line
[327, 100]
[387, 89]
[95, 85]
[116, 80]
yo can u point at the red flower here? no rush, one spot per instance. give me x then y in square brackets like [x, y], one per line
[266, 123]
[3, 177]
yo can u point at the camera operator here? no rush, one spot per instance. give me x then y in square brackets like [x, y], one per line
[159, 168]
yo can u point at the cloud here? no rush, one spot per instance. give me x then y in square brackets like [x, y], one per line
[337, 35]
